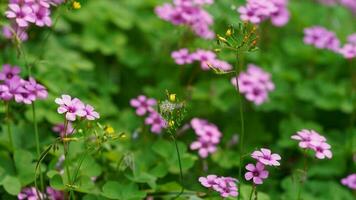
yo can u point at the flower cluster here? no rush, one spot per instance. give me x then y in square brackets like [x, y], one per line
[189, 13]
[30, 193]
[206, 58]
[22, 13]
[73, 108]
[323, 38]
[208, 137]
[226, 186]
[257, 173]
[145, 106]
[310, 139]
[349, 49]
[350, 4]
[255, 84]
[12, 86]
[257, 11]
[350, 181]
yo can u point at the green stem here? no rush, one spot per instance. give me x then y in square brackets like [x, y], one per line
[252, 189]
[8, 124]
[35, 125]
[303, 177]
[65, 149]
[180, 167]
[238, 69]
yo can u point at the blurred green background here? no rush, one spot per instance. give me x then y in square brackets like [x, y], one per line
[110, 51]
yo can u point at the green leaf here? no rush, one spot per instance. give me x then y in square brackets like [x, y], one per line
[57, 182]
[116, 190]
[25, 166]
[12, 185]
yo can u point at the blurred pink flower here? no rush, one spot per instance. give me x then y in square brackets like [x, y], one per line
[266, 157]
[256, 173]
[143, 104]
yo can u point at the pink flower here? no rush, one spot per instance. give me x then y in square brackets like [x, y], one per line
[13, 31]
[156, 121]
[321, 38]
[204, 147]
[350, 181]
[348, 51]
[208, 181]
[143, 104]
[42, 15]
[256, 173]
[322, 149]
[71, 107]
[226, 186]
[208, 137]
[22, 14]
[182, 57]
[306, 137]
[91, 114]
[190, 14]
[204, 57]
[8, 72]
[255, 84]
[310, 139]
[257, 11]
[30, 193]
[53, 194]
[266, 157]
[36, 89]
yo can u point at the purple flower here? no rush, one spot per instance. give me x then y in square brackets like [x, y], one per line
[352, 39]
[59, 128]
[204, 147]
[322, 149]
[226, 186]
[266, 157]
[36, 89]
[208, 181]
[42, 15]
[204, 57]
[220, 64]
[53, 194]
[348, 51]
[321, 38]
[306, 137]
[350, 181]
[91, 114]
[156, 121]
[182, 57]
[22, 14]
[30, 193]
[310, 139]
[256, 173]
[188, 13]
[143, 104]
[8, 72]
[10, 32]
[71, 107]
[257, 11]
[255, 84]
[208, 137]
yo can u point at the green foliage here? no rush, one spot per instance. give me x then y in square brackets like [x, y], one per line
[111, 51]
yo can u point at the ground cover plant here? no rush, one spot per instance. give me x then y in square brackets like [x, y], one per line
[178, 99]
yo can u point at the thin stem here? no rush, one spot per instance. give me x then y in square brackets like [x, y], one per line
[35, 125]
[252, 189]
[238, 69]
[180, 168]
[8, 124]
[65, 149]
[303, 177]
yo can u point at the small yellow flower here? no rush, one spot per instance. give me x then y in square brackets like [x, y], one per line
[228, 32]
[109, 130]
[171, 123]
[172, 97]
[76, 5]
